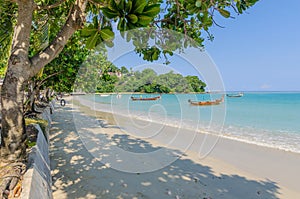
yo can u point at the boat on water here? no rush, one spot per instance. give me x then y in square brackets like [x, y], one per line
[207, 103]
[235, 95]
[104, 95]
[145, 99]
[77, 93]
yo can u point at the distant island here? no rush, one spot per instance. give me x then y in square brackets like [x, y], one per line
[115, 80]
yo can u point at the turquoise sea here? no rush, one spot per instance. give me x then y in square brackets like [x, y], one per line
[270, 119]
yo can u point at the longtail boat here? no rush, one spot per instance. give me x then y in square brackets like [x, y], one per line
[207, 103]
[235, 95]
[145, 99]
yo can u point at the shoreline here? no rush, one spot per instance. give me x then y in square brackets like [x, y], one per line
[238, 157]
[222, 135]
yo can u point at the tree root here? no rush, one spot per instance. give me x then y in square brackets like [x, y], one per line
[10, 180]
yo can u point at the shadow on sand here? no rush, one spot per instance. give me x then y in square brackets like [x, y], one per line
[77, 174]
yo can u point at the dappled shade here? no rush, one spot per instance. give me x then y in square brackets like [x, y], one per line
[77, 174]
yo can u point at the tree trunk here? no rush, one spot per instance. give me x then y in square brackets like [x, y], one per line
[30, 101]
[13, 124]
[21, 68]
[12, 92]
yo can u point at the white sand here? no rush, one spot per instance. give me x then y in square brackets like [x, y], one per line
[231, 170]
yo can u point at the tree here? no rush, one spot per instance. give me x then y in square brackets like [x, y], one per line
[175, 82]
[189, 17]
[22, 67]
[124, 70]
[66, 66]
[196, 84]
[59, 75]
[149, 82]
[106, 83]
[96, 70]
[7, 11]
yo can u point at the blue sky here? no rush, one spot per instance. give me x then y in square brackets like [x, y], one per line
[256, 51]
[260, 50]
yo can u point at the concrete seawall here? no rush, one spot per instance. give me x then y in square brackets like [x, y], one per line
[37, 180]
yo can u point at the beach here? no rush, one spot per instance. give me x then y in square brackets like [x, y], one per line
[85, 164]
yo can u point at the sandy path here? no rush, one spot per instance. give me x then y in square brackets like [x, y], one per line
[77, 174]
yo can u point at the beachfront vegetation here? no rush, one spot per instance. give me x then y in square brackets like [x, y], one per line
[43, 28]
[7, 10]
[65, 66]
[97, 74]
[148, 81]
[112, 79]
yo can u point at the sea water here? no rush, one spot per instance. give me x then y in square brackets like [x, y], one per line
[269, 119]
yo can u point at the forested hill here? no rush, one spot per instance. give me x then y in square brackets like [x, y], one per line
[114, 79]
[149, 81]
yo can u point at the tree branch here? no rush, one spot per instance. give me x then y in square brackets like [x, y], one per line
[22, 31]
[217, 24]
[48, 7]
[102, 4]
[48, 77]
[74, 22]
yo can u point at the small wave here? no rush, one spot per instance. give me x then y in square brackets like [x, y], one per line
[281, 139]
[287, 141]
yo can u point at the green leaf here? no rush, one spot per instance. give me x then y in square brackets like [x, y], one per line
[155, 56]
[144, 20]
[132, 18]
[91, 42]
[121, 5]
[70, 70]
[130, 26]
[30, 143]
[139, 6]
[238, 5]
[128, 36]
[152, 10]
[95, 21]
[128, 6]
[109, 13]
[169, 52]
[122, 24]
[224, 13]
[85, 32]
[198, 3]
[106, 34]
[110, 44]
[122, 34]
[112, 5]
